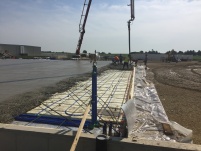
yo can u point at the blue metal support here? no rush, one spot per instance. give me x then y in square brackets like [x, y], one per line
[94, 94]
[54, 120]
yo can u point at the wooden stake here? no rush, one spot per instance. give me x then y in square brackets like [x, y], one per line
[73, 147]
[167, 129]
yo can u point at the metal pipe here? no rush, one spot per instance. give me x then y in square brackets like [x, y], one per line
[129, 22]
[94, 94]
[129, 41]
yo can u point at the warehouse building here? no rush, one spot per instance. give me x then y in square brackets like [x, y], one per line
[160, 57]
[19, 50]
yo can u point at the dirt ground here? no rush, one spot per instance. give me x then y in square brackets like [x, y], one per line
[179, 89]
[178, 86]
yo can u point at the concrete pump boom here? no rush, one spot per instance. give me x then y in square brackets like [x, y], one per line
[129, 22]
[82, 25]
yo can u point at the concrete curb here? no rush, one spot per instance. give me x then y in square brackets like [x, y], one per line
[23, 138]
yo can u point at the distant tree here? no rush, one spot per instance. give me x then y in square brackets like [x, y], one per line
[84, 51]
[193, 52]
[134, 52]
[156, 52]
[190, 52]
[102, 52]
[141, 51]
[187, 52]
[180, 52]
[153, 52]
[173, 52]
[199, 53]
[109, 53]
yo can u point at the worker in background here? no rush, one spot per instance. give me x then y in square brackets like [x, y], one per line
[126, 61]
[120, 59]
[145, 60]
[116, 60]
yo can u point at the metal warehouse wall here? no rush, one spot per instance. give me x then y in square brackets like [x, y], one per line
[32, 51]
[150, 56]
[12, 49]
[15, 50]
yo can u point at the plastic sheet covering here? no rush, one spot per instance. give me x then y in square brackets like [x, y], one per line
[145, 114]
[130, 112]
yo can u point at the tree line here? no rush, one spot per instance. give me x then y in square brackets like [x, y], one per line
[188, 52]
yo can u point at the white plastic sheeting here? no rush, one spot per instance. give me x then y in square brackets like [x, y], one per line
[145, 114]
[130, 112]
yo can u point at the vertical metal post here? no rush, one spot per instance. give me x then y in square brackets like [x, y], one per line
[129, 40]
[110, 129]
[105, 129]
[94, 94]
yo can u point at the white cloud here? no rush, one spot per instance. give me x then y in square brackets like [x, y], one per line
[169, 24]
[160, 24]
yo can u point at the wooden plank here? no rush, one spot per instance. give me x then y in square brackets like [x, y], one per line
[167, 129]
[130, 91]
[73, 147]
[131, 85]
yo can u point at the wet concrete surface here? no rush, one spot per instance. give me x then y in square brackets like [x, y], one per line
[20, 75]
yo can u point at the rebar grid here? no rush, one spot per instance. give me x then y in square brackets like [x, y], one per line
[112, 91]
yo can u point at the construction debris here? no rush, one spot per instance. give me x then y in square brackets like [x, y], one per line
[146, 116]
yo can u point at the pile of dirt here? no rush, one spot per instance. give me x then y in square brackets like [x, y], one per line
[179, 89]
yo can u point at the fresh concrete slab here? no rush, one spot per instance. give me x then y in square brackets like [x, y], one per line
[21, 75]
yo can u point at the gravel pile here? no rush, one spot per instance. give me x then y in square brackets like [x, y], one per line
[179, 89]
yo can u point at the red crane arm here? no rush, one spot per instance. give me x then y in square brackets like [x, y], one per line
[82, 24]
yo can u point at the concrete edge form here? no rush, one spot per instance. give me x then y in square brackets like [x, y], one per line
[23, 138]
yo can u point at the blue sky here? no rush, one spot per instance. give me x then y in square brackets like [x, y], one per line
[161, 25]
